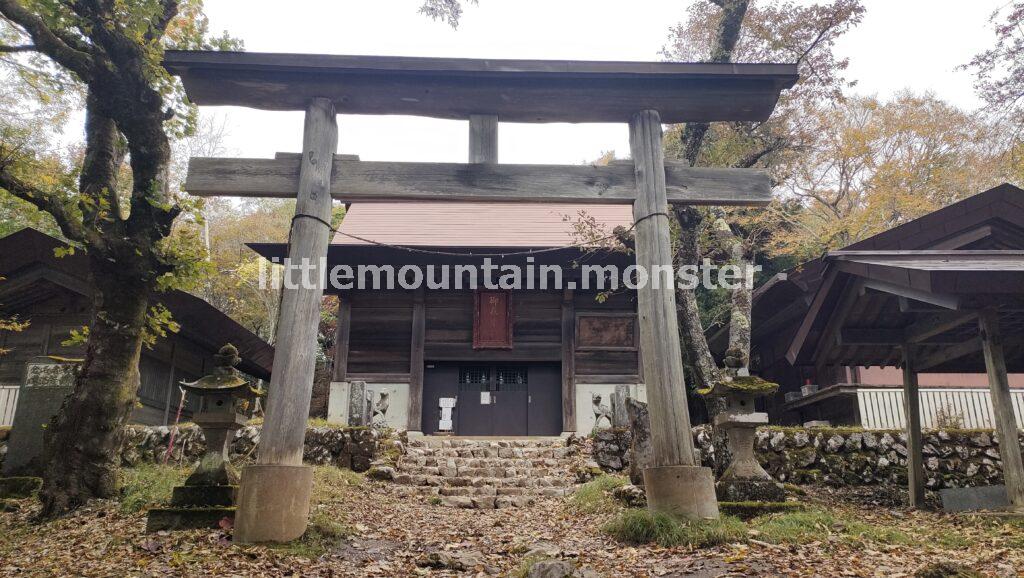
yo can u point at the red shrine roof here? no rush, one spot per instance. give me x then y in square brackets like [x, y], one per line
[452, 224]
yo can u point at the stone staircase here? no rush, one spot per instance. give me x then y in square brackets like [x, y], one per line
[487, 474]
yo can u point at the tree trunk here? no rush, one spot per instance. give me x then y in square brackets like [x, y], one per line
[84, 439]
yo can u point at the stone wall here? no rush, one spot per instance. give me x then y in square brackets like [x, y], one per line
[353, 448]
[844, 456]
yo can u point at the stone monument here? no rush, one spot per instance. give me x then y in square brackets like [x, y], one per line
[39, 399]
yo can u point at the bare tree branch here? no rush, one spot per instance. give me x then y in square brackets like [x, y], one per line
[19, 48]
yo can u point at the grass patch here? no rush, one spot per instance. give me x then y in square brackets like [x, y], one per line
[751, 510]
[148, 485]
[323, 533]
[332, 485]
[644, 527]
[811, 525]
[595, 496]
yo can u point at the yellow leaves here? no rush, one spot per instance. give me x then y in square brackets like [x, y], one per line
[159, 322]
[77, 338]
[873, 165]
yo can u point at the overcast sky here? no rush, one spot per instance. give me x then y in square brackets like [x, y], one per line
[915, 44]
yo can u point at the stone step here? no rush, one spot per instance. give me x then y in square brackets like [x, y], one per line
[520, 453]
[479, 482]
[454, 462]
[464, 443]
[493, 472]
[484, 492]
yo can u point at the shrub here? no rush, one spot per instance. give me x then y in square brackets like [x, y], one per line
[645, 527]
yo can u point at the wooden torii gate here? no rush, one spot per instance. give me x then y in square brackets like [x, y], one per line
[274, 495]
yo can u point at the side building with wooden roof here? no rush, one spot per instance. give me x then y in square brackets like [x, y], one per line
[832, 331]
[54, 296]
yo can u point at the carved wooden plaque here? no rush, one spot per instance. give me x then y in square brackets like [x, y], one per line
[617, 332]
[492, 320]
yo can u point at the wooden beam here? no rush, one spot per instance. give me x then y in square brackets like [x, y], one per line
[870, 336]
[912, 414]
[291, 385]
[483, 138]
[1002, 406]
[416, 361]
[948, 354]
[568, 361]
[940, 299]
[829, 336]
[361, 181]
[937, 324]
[342, 338]
[671, 438]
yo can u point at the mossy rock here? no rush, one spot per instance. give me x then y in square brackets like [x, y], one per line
[751, 510]
[748, 385]
[20, 487]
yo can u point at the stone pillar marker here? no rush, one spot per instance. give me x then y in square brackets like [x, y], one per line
[675, 484]
[274, 494]
[39, 399]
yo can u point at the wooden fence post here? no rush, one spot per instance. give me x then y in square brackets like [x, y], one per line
[675, 485]
[274, 494]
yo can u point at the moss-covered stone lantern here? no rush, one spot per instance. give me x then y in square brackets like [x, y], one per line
[209, 494]
[744, 480]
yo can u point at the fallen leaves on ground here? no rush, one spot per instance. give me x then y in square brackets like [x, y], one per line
[394, 535]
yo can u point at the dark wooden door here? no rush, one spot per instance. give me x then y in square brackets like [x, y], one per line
[495, 400]
[475, 405]
[511, 400]
[439, 380]
[545, 400]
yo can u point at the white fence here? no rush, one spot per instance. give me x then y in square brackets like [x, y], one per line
[8, 403]
[883, 408]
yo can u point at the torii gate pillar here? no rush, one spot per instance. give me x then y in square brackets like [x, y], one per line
[273, 504]
[676, 484]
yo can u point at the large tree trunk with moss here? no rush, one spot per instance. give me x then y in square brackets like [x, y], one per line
[84, 439]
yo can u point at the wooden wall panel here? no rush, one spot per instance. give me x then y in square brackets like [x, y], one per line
[606, 363]
[380, 332]
[537, 317]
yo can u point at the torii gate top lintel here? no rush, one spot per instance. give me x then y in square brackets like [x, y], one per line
[456, 88]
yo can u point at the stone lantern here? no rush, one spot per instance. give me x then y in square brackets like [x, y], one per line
[744, 480]
[210, 493]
